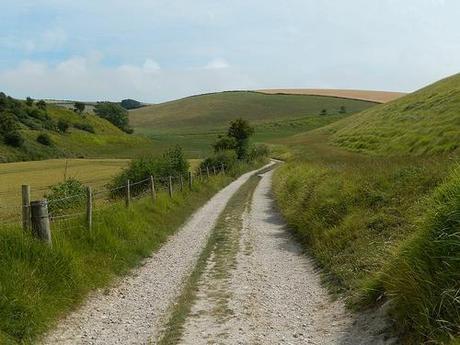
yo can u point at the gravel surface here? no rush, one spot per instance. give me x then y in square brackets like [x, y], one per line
[134, 310]
[273, 295]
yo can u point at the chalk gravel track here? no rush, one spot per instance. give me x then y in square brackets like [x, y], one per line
[274, 292]
[134, 310]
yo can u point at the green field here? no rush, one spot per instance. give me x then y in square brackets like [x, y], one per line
[195, 122]
[383, 223]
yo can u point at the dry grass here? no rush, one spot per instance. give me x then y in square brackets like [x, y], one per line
[365, 95]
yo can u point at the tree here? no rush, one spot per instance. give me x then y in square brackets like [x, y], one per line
[240, 130]
[79, 107]
[63, 125]
[41, 104]
[130, 104]
[113, 113]
[29, 101]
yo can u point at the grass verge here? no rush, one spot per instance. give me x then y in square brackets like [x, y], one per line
[383, 229]
[39, 284]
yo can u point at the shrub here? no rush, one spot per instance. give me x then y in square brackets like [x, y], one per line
[29, 101]
[79, 107]
[323, 112]
[44, 139]
[130, 104]
[14, 139]
[257, 152]
[41, 104]
[84, 127]
[227, 158]
[63, 125]
[171, 163]
[113, 113]
[66, 195]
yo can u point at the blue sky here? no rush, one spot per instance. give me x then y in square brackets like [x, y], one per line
[161, 50]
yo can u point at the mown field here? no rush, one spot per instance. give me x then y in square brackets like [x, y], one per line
[384, 222]
[195, 122]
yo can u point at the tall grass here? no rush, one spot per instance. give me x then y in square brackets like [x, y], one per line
[382, 229]
[38, 284]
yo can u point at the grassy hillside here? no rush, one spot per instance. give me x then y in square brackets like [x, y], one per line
[385, 225]
[195, 121]
[87, 135]
[425, 122]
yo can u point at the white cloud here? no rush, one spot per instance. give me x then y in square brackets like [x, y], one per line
[86, 78]
[217, 63]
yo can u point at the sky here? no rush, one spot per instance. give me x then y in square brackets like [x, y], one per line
[159, 50]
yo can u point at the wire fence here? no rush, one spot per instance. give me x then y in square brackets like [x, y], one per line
[79, 210]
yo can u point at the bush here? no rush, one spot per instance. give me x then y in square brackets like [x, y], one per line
[63, 125]
[227, 158]
[258, 151]
[44, 139]
[14, 139]
[130, 104]
[171, 163]
[113, 113]
[66, 195]
[84, 127]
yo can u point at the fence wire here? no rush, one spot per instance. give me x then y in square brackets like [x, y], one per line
[71, 212]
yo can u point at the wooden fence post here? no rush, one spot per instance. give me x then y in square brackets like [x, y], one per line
[26, 207]
[40, 220]
[152, 188]
[89, 208]
[170, 188]
[181, 179]
[214, 169]
[128, 193]
[190, 180]
[207, 171]
[222, 168]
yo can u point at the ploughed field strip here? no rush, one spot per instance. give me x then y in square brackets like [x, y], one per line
[134, 310]
[257, 286]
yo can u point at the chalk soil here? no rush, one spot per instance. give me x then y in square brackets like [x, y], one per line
[273, 294]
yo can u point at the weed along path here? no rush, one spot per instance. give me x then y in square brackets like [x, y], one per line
[254, 285]
[134, 310]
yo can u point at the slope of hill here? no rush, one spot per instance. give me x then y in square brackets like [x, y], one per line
[67, 134]
[195, 121]
[424, 122]
[217, 109]
[366, 95]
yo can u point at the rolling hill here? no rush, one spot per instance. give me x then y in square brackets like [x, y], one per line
[195, 121]
[85, 136]
[366, 95]
[424, 122]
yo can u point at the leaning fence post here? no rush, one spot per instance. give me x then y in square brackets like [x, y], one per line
[190, 180]
[181, 179]
[207, 171]
[26, 207]
[128, 193]
[40, 220]
[152, 188]
[170, 188]
[89, 208]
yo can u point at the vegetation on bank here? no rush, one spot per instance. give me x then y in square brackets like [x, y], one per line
[33, 130]
[424, 122]
[385, 227]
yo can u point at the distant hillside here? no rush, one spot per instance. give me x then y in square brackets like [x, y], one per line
[217, 109]
[367, 95]
[427, 121]
[64, 133]
[194, 122]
